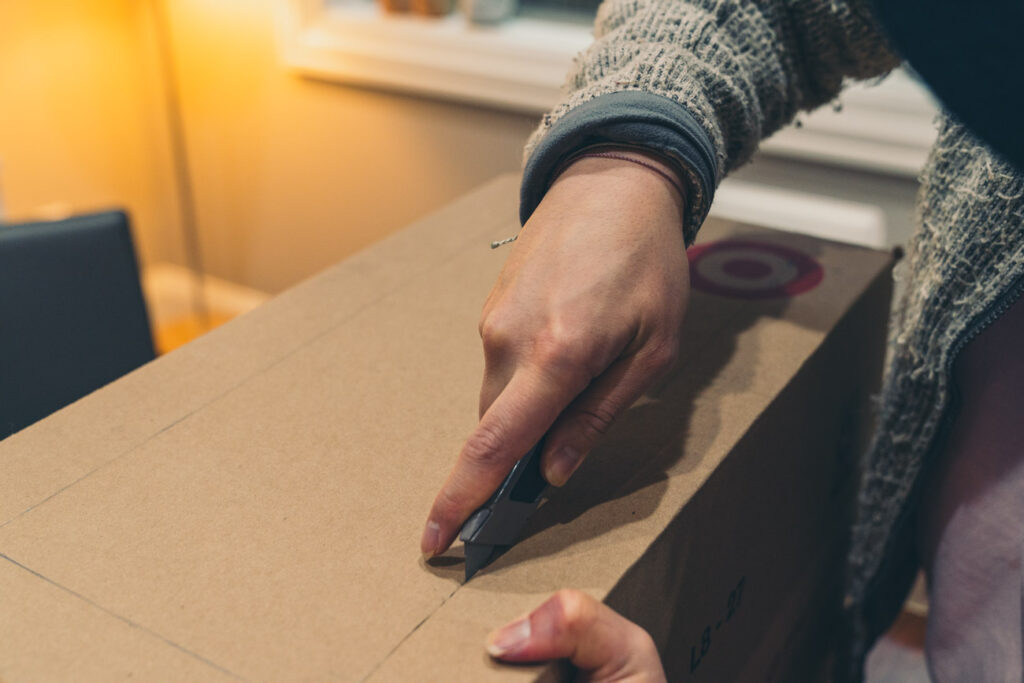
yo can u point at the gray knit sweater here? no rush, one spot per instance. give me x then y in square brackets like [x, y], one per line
[703, 82]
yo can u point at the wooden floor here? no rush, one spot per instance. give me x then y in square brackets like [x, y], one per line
[171, 300]
[170, 334]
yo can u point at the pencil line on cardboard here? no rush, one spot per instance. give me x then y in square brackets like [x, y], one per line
[407, 636]
[237, 385]
[124, 619]
[96, 469]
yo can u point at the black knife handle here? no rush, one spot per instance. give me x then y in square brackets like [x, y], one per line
[531, 484]
[501, 518]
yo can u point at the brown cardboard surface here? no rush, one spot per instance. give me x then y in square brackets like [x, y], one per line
[749, 521]
[81, 641]
[41, 460]
[253, 502]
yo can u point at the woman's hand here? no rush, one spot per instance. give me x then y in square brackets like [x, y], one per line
[571, 625]
[584, 316]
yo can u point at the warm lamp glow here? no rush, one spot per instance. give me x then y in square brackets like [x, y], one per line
[69, 74]
[97, 115]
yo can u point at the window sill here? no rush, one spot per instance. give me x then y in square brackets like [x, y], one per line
[520, 65]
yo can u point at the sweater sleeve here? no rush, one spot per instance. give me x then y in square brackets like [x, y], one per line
[711, 78]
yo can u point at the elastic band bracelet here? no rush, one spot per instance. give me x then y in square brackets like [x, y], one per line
[622, 157]
[605, 155]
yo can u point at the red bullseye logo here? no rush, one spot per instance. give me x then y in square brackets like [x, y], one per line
[746, 269]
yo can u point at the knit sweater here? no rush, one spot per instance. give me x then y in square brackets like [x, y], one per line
[702, 82]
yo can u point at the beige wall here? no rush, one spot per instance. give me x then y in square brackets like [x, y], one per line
[290, 174]
[80, 128]
[293, 174]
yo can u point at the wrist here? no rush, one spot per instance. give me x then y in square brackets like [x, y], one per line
[641, 165]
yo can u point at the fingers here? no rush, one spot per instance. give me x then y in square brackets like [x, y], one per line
[589, 417]
[572, 625]
[514, 422]
[598, 274]
[494, 382]
[522, 413]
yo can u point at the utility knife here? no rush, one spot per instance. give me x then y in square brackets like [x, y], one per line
[496, 525]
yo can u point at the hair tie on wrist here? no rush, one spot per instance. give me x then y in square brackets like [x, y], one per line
[500, 243]
[622, 157]
[605, 155]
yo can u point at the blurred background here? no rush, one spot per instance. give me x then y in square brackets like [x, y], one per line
[255, 142]
[288, 174]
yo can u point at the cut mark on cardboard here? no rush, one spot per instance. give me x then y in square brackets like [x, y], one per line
[96, 469]
[243, 381]
[750, 269]
[126, 620]
[408, 635]
[404, 284]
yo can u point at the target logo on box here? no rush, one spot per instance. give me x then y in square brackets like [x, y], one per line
[747, 269]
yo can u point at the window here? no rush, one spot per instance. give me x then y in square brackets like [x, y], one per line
[521, 64]
[518, 65]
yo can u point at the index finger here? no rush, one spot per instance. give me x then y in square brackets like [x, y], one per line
[514, 422]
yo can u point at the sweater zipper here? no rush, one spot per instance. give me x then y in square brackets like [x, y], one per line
[992, 312]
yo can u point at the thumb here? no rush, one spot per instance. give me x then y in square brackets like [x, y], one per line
[572, 625]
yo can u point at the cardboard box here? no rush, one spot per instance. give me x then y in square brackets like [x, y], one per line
[250, 505]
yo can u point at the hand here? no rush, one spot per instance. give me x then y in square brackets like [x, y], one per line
[571, 625]
[584, 316]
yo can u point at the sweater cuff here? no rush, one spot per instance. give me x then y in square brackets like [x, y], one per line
[632, 119]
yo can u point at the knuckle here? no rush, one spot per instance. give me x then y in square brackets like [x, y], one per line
[663, 356]
[643, 642]
[447, 508]
[642, 645]
[495, 331]
[558, 353]
[575, 610]
[597, 420]
[485, 447]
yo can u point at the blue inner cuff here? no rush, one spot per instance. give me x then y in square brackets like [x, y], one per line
[637, 119]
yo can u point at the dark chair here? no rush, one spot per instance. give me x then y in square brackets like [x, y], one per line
[72, 316]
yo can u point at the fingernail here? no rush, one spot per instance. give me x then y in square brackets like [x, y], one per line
[510, 638]
[431, 539]
[564, 462]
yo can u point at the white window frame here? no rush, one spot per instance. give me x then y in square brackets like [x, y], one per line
[520, 65]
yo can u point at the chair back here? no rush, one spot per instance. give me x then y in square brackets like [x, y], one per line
[72, 316]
